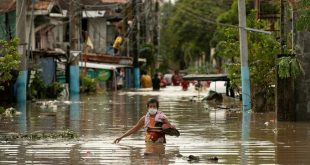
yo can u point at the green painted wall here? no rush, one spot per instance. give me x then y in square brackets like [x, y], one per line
[12, 20]
[7, 25]
[2, 26]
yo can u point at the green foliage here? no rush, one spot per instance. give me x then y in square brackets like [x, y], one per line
[54, 90]
[289, 67]
[270, 7]
[303, 21]
[147, 51]
[9, 60]
[88, 84]
[2, 110]
[262, 50]
[188, 29]
[230, 16]
[39, 90]
[207, 69]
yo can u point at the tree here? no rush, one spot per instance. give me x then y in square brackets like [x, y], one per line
[303, 21]
[188, 29]
[262, 51]
[9, 61]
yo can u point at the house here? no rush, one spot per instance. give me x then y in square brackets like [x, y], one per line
[7, 19]
[49, 33]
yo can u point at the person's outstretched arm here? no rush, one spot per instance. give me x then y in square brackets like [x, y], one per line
[134, 129]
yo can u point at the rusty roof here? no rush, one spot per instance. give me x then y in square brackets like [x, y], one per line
[7, 5]
[10, 5]
[102, 2]
[92, 3]
[41, 5]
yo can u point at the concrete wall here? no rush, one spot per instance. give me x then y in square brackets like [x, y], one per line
[302, 84]
[28, 22]
[97, 30]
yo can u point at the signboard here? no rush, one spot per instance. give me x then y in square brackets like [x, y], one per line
[103, 74]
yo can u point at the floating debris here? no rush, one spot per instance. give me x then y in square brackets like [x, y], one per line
[9, 112]
[215, 159]
[192, 158]
[67, 134]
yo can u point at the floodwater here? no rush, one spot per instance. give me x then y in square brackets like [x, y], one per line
[207, 131]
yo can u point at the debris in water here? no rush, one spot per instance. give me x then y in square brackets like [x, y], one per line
[192, 158]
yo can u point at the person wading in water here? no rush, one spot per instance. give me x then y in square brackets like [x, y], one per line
[155, 124]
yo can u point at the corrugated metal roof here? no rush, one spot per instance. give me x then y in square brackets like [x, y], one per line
[41, 5]
[7, 5]
[102, 2]
[10, 5]
[65, 3]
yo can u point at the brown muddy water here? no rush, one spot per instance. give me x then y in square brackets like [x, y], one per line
[206, 132]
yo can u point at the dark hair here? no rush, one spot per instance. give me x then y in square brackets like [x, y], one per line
[152, 100]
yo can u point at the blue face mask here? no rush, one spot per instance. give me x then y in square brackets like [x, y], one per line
[152, 111]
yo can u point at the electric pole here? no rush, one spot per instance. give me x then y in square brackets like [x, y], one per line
[74, 85]
[135, 42]
[21, 84]
[246, 92]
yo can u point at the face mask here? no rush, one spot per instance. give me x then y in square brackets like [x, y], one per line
[152, 111]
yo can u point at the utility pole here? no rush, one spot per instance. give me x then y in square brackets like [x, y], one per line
[246, 92]
[157, 27]
[21, 84]
[135, 40]
[284, 86]
[74, 85]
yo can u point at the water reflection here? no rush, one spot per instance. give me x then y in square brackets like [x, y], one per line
[22, 118]
[74, 113]
[233, 137]
[245, 136]
[154, 149]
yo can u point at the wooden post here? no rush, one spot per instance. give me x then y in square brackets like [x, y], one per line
[284, 86]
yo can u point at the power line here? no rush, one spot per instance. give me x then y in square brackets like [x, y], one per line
[188, 11]
[222, 24]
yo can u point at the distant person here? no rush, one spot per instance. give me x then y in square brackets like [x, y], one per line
[167, 78]
[146, 80]
[88, 44]
[118, 41]
[155, 124]
[120, 78]
[163, 81]
[156, 82]
[184, 84]
[176, 79]
[198, 86]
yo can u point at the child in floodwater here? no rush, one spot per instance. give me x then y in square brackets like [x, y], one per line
[152, 122]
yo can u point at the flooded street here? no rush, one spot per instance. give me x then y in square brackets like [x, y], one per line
[206, 132]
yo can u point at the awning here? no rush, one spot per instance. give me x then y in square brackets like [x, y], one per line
[102, 65]
[206, 77]
[85, 14]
